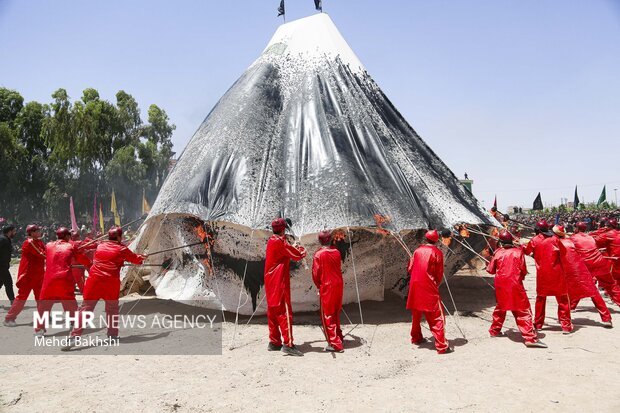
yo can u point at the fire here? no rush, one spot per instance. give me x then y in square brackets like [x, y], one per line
[209, 240]
[338, 235]
[382, 220]
[463, 231]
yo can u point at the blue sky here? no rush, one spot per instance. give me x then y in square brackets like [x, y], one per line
[524, 95]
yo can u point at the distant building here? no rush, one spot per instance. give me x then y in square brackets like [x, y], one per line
[467, 183]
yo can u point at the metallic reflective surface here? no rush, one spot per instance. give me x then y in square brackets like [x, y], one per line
[307, 134]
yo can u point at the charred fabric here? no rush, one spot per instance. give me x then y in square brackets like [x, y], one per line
[305, 133]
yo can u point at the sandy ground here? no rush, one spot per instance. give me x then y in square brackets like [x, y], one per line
[379, 370]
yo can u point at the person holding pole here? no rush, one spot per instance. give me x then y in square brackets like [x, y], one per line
[426, 272]
[327, 276]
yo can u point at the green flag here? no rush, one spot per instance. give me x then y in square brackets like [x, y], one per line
[603, 197]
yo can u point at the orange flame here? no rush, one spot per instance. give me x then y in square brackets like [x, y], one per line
[338, 235]
[463, 231]
[203, 235]
[382, 220]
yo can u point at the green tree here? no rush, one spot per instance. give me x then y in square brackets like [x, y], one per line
[53, 151]
[11, 102]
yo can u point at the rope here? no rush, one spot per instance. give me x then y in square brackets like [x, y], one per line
[469, 248]
[161, 224]
[463, 261]
[357, 290]
[245, 270]
[456, 310]
[455, 322]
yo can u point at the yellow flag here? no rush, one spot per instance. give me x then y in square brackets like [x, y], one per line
[113, 208]
[101, 219]
[146, 208]
[113, 205]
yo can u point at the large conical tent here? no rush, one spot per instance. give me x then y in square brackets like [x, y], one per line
[304, 133]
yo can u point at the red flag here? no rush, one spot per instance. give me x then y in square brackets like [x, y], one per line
[74, 225]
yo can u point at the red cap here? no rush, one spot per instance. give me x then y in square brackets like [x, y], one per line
[115, 232]
[325, 237]
[613, 223]
[542, 225]
[62, 232]
[278, 225]
[32, 228]
[581, 226]
[505, 236]
[559, 230]
[432, 236]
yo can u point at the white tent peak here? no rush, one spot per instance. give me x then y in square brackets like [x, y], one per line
[314, 36]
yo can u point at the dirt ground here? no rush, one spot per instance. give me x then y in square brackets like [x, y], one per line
[379, 370]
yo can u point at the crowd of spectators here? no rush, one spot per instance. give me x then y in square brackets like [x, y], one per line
[568, 218]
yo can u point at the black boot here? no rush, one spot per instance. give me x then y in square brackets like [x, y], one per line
[291, 351]
[273, 347]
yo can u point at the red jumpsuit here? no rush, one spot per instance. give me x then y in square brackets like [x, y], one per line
[29, 276]
[550, 281]
[104, 282]
[579, 280]
[610, 240]
[278, 288]
[598, 266]
[530, 246]
[508, 265]
[58, 282]
[327, 276]
[426, 272]
[88, 249]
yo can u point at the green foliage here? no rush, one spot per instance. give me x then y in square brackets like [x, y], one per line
[52, 151]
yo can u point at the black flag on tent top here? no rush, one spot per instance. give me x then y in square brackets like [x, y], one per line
[318, 4]
[538, 206]
[281, 10]
[576, 200]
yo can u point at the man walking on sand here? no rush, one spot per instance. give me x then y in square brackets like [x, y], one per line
[426, 272]
[278, 289]
[30, 273]
[104, 282]
[597, 264]
[508, 265]
[327, 276]
[58, 281]
[550, 281]
[579, 281]
[6, 251]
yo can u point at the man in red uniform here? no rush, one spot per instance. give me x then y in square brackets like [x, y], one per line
[508, 265]
[278, 289]
[104, 280]
[579, 281]
[550, 280]
[30, 273]
[58, 282]
[598, 266]
[610, 240]
[541, 226]
[602, 228]
[426, 272]
[327, 276]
